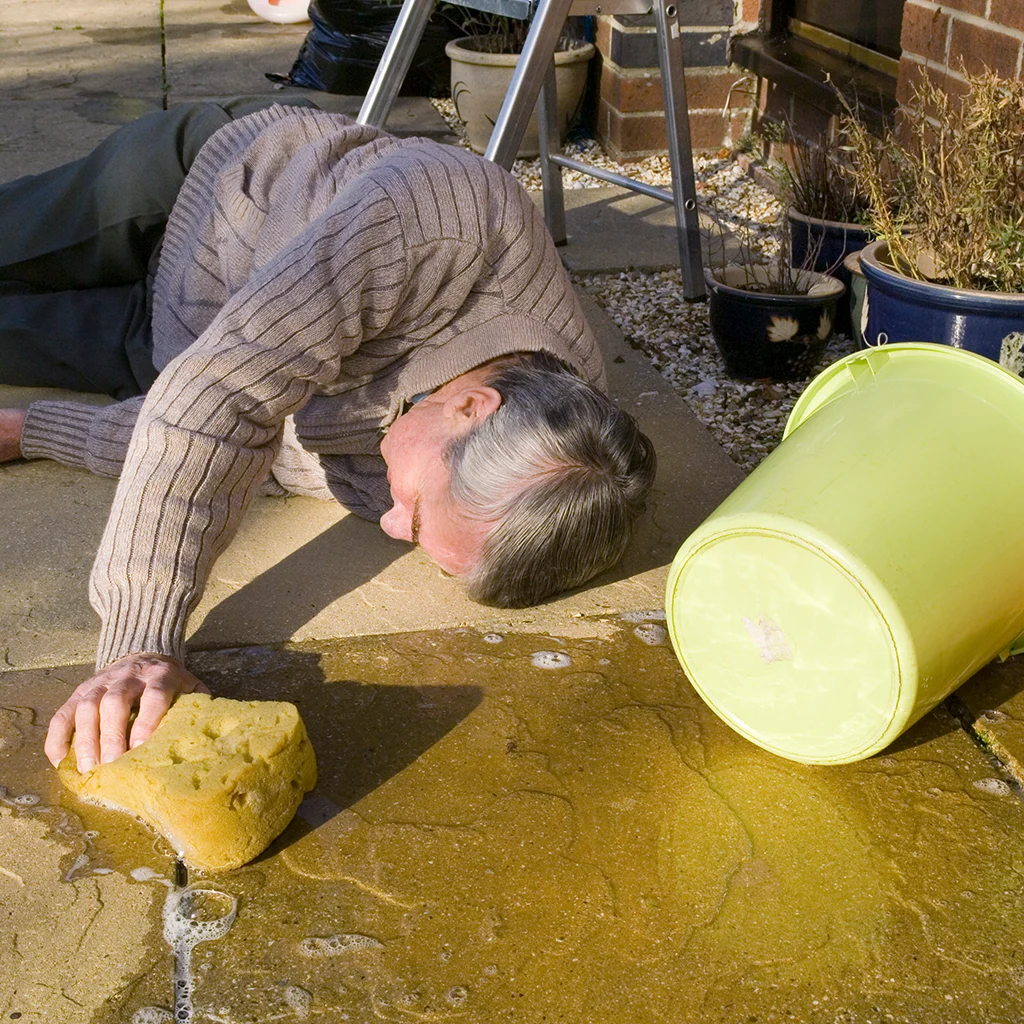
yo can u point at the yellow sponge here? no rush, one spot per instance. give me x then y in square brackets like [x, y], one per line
[219, 778]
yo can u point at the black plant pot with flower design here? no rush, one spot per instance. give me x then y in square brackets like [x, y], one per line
[764, 335]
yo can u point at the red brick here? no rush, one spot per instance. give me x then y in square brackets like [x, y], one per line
[603, 35]
[738, 127]
[925, 32]
[967, 6]
[1009, 13]
[711, 90]
[911, 74]
[708, 131]
[980, 48]
[626, 135]
[630, 94]
[750, 10]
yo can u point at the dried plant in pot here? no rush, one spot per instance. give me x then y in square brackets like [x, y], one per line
[825, 210]
[770, 320]
[482, 66]
[952, 172]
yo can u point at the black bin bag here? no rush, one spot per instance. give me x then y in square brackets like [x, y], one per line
[343, 48]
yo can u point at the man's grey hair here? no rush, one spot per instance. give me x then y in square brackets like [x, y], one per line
[561, 470]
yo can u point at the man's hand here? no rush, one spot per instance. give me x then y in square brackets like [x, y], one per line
[98, 711]
[11, 423]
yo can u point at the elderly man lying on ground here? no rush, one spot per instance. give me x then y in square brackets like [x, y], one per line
[283, 300]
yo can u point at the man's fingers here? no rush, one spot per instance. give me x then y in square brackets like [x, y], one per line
[58, 735]
[154, 703]
[87, 733]
[115, 709]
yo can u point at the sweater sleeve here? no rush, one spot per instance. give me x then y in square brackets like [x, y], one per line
[92, 437]
[210, 428]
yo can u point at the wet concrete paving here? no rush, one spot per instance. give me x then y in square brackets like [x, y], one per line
[527, 828]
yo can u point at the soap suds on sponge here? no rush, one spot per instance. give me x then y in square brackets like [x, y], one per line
[219, 778]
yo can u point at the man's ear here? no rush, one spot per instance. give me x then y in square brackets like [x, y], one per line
[469, 406]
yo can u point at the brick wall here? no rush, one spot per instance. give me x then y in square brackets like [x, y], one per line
[940, 38]
[630, 119]
[944, 39]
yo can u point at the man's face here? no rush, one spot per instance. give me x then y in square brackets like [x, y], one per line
[423, 512]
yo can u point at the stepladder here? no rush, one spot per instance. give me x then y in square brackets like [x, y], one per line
[533, 87]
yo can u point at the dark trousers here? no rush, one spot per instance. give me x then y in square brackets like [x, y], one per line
[76, 245]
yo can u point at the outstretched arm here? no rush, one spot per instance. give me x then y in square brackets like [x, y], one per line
[204, 441]
[11, 422]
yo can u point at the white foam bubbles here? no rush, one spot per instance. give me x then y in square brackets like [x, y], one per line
[550, 659]
[148, 875]
[299, 1000]
[493, 638]
[994, 786]
[152, 1015]
[81, 861]
[336, 945]
[25, 800]
[992, 717]
[457, 995]
[650, 615]
[651, 634]
[193, 915]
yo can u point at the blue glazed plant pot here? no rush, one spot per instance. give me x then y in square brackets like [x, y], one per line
[902, 309]
[766, 336]
[830, 242]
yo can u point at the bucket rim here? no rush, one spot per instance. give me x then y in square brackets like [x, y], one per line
[860, 576]
[822, 389]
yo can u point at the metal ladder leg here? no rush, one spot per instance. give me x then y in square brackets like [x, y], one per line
[527, 79]
[394, 64]
[677, 124]
[550, 142]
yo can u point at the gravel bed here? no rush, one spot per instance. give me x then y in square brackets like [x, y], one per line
[746, 418]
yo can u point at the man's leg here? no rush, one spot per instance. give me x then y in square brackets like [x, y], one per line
[95, 222]
[86, 232]
[43, 335]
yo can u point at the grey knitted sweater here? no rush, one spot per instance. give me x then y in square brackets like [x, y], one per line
[315, 275]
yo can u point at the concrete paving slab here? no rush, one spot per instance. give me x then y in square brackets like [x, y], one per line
[36, 135]
[302, 569]
[57, 51]
[994, 702]
[224, 49]
[611, 229]
[496, 841]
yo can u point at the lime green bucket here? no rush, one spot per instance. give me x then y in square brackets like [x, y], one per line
[870, 564]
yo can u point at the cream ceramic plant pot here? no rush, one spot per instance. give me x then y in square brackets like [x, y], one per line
[480, 81]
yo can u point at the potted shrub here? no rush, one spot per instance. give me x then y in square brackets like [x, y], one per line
[482, 66]
[771, 320]
[826, 212]
[953, 172]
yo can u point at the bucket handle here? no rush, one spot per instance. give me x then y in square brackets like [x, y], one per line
[1017, 647]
